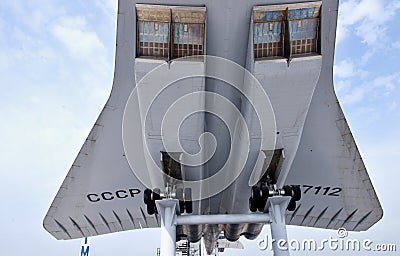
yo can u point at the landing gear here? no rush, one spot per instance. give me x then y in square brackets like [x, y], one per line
[255, 198]
[261, 193]
[150, 198]
[295, 193]
[183, 195]
[185, 200]
[264, 197]
[188, 200]
[258, 198]
[179, 196]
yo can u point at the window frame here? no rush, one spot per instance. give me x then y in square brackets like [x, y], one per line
[307, 46]
[173, 15]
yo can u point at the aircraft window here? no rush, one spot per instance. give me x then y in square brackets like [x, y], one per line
[170, 32]
[153, 39]
[286, 30]
[188, 32]
[268, 32]
[153, 30]
[303, 27]
[268, 39]
[303, 36]
[188, 40]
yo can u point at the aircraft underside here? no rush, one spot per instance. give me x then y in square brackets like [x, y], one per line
[226, 108]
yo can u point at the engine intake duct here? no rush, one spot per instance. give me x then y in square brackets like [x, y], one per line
[233, 231]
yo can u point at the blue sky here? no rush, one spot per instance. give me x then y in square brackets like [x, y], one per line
[56, 70]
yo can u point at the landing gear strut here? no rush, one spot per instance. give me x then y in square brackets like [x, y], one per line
[170, 218]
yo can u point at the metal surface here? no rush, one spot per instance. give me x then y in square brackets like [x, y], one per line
[223, 219]
[169, 220]
[167, 210]
[277, 207]
[102, 195]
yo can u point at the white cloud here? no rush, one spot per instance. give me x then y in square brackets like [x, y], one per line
[348, 68]
[108, 7]
[48, 97]
[344, 69]
[376, 89]
[355, 95]
[389, 82]
[393, 106]
[366, 18]
[34, 14]
[81, 42]
[343, 86]
[396, 45]
[111, 4]
[40, 136]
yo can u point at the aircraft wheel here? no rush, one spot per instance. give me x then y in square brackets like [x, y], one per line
[288, 190]
[255, 199]
[181, 207]
[256, 193]
[292, 205]
[263, 199]
[189, 206]
[188, 200]
[151, 208]
[296, 192]
[179, 196]
[252, 205]
[147, 196]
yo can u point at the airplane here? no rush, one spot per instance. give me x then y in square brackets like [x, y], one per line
[222, 118]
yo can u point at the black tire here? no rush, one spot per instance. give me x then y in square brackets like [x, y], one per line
[181, 207]
[292, 205]
[296, 192]
[188, 200]
[151, 208]
[147, 196]
[179, 196]
[261, 205]
[256, 193]
[189, 206]
[263, 199]
[255, 201]
[288, 190]
[265, 192]
[252, 205]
